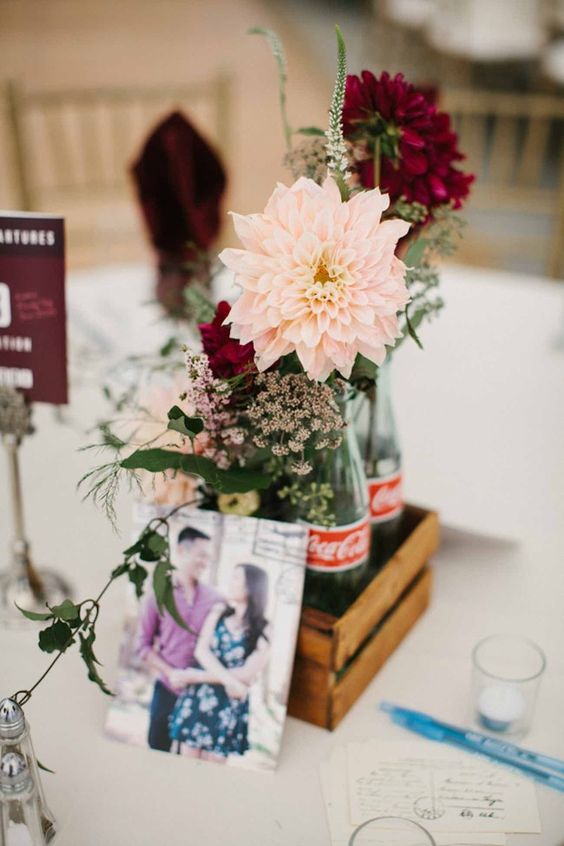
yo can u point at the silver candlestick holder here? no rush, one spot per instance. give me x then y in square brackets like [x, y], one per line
[21, 583]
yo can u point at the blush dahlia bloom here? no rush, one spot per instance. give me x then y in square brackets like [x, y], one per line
[319, 277]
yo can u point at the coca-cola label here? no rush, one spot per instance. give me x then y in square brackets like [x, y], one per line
[338, 549]
[385, 497]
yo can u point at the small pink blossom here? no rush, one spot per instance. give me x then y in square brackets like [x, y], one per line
[319, 277]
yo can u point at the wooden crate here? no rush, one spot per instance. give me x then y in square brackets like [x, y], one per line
[337, 657]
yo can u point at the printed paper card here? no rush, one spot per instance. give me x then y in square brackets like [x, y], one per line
[336, 798]
[218, 689]
[446, 790]
[33, 351]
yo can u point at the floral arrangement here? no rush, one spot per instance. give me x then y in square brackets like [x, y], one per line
[336, 271]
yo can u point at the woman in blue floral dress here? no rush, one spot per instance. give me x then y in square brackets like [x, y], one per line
[211, 717]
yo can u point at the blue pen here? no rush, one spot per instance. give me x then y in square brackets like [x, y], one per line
[525, 756]
[434, 731]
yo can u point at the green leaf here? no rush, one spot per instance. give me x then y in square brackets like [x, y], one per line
[153, 546]
[415, 252]
[164, 592]
[168, 348]
[89, 658]
[132, 550]
[120, 570]
[154, 460]
[277, 51]
[44, 768]
[202, 309]
[180, 422]
[109, 439]
[34, 615]
[363, 370]
[161, 578]
[137, 575]
[310, 130]
[236, 480]
[67, 611]
[411, 329]
[56, 638]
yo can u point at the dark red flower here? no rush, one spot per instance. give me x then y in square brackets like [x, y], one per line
[418, 147]
[227, 357]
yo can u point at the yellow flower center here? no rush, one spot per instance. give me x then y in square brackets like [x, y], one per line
[322, 274]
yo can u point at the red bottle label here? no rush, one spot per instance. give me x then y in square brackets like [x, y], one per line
[338, 549]
[385, 497]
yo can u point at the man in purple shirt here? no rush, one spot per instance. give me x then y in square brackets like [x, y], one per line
[162, 643]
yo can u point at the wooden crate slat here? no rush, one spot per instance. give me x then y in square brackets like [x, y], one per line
[377, 651]
[311, 692]
[385, 589]
[315, 645]
[324, 686]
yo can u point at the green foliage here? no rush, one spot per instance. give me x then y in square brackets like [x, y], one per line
[411, 211]
[363, 373]
[415, 252]
[109, 439]
[411, 328]
[44, 768]
[445, 231]
[278, 52]
[66, 611]
[90, 660]
[180, 422]
[312, 502]
[164, 591]
[137, 576]
[235, 480]
[150, 546]
[440, 238]
[103, 486]
[35, 616]
[200, 308]
[169, 347]
[310, 130]
[69, 620]
[56, 638]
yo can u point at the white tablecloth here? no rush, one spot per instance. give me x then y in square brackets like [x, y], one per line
[481, 413]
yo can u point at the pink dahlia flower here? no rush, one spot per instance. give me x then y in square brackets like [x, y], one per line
[319, 277]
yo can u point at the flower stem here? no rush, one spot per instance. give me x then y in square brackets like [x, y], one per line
[377, 162]
[24, 695]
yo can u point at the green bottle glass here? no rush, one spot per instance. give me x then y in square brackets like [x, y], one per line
[338, 557]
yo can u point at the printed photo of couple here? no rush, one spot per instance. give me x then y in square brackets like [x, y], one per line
[217, 688]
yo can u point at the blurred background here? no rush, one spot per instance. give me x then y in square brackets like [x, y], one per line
[83, 82]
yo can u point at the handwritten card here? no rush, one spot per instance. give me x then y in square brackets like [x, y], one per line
[442, 788]
[335, 794]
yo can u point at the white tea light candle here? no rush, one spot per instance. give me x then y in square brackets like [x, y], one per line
[500, 707]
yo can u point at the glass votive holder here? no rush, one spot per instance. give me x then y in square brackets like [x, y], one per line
[388, 830]
[506, 674]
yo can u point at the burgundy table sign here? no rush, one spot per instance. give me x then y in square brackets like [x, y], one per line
[33, 368]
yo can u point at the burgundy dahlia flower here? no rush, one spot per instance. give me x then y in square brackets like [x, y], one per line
[417, 145]
[227, 357]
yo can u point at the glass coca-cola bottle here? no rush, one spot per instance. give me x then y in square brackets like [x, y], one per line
[338, 557]
[383, 467]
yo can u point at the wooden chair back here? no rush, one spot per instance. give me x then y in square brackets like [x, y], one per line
[515, 146]
[80, 142]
